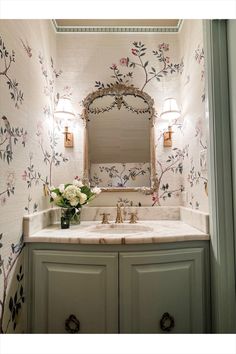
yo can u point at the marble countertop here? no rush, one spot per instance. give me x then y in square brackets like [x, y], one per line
[144, 232]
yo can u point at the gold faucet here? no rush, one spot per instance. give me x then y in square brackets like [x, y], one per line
[105, 218]
[119, 217]
[133, 218]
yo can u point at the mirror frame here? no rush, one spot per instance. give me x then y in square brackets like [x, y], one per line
[120, 90]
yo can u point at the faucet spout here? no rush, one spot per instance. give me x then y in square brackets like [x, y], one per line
[119, 217]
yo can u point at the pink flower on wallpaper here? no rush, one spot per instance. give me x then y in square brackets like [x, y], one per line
[124, 61]
[134, 51]
[167, 59]
[164, 47]
[114, 67]
[24, 176]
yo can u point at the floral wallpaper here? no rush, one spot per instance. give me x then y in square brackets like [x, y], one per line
[36, 67]
[30, 149]
[194, 120]
[120, 175]
[163, 67]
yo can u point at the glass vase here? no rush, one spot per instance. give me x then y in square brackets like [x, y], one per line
[70, 216]
[65, 219]
[74, 215]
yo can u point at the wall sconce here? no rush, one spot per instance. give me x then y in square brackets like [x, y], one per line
[64, 110]
[170, 112]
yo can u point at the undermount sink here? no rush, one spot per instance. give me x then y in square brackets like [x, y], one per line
[120, 228]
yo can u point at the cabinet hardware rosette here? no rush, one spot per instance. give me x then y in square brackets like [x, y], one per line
[167, 322]
[72, 324]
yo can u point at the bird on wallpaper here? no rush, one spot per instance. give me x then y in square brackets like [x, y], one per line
[18, 246]
[7, 124]
[9, 134]
[27, 48]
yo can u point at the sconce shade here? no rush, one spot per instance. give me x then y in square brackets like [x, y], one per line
[64, 108]
[170, 110]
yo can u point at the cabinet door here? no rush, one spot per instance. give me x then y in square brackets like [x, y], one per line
[84, 285]
[153, 284]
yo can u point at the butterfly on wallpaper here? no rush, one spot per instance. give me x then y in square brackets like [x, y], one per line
[27, 48]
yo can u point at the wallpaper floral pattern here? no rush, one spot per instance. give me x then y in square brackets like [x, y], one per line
[29, 152]
[195, 123]
[158, 67]
[120, 175]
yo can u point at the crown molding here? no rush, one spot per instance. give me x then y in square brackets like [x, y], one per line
[117, 29]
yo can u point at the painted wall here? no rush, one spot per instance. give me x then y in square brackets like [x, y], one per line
[35, 65]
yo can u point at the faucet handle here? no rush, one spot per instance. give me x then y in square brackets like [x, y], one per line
[133, 218]
[105, 218]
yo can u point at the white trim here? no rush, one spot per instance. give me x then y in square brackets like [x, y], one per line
[119, 29]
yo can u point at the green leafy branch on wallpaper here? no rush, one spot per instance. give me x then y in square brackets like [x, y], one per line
[5, 272]
[31, 176]
[165, 68]
[9, 188]
[194, 177]
[151, 71]
[15, 302]
[28, 206]
[49, 77]
[199, 56]
[51, 157]
[173, 164]
[7, 59]
[9, 136]
[123, 176]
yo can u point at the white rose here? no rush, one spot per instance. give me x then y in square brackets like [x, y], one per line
[77, 183]
[53, 195]
[61, 188]
[96, 190]
[82, 198]
[51, 188]
[70, 192]
[74, 202]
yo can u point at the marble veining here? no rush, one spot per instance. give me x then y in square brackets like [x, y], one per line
[40, 220]
[162, 231]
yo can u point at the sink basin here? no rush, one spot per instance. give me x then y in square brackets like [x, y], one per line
[120, 228]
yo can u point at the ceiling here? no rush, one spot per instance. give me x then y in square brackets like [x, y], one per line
[117, 25]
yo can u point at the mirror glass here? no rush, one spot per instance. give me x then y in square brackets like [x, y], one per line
[119, 145]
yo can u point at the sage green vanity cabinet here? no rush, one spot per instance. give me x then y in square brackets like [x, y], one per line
[119, 288]
[74, 291]
[163, 289]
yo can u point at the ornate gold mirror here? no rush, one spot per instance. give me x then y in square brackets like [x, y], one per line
[119, 151]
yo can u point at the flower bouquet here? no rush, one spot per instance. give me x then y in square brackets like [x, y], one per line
[71, 197]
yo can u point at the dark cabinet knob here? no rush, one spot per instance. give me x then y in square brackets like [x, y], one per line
[167, 322]
[72, 324]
